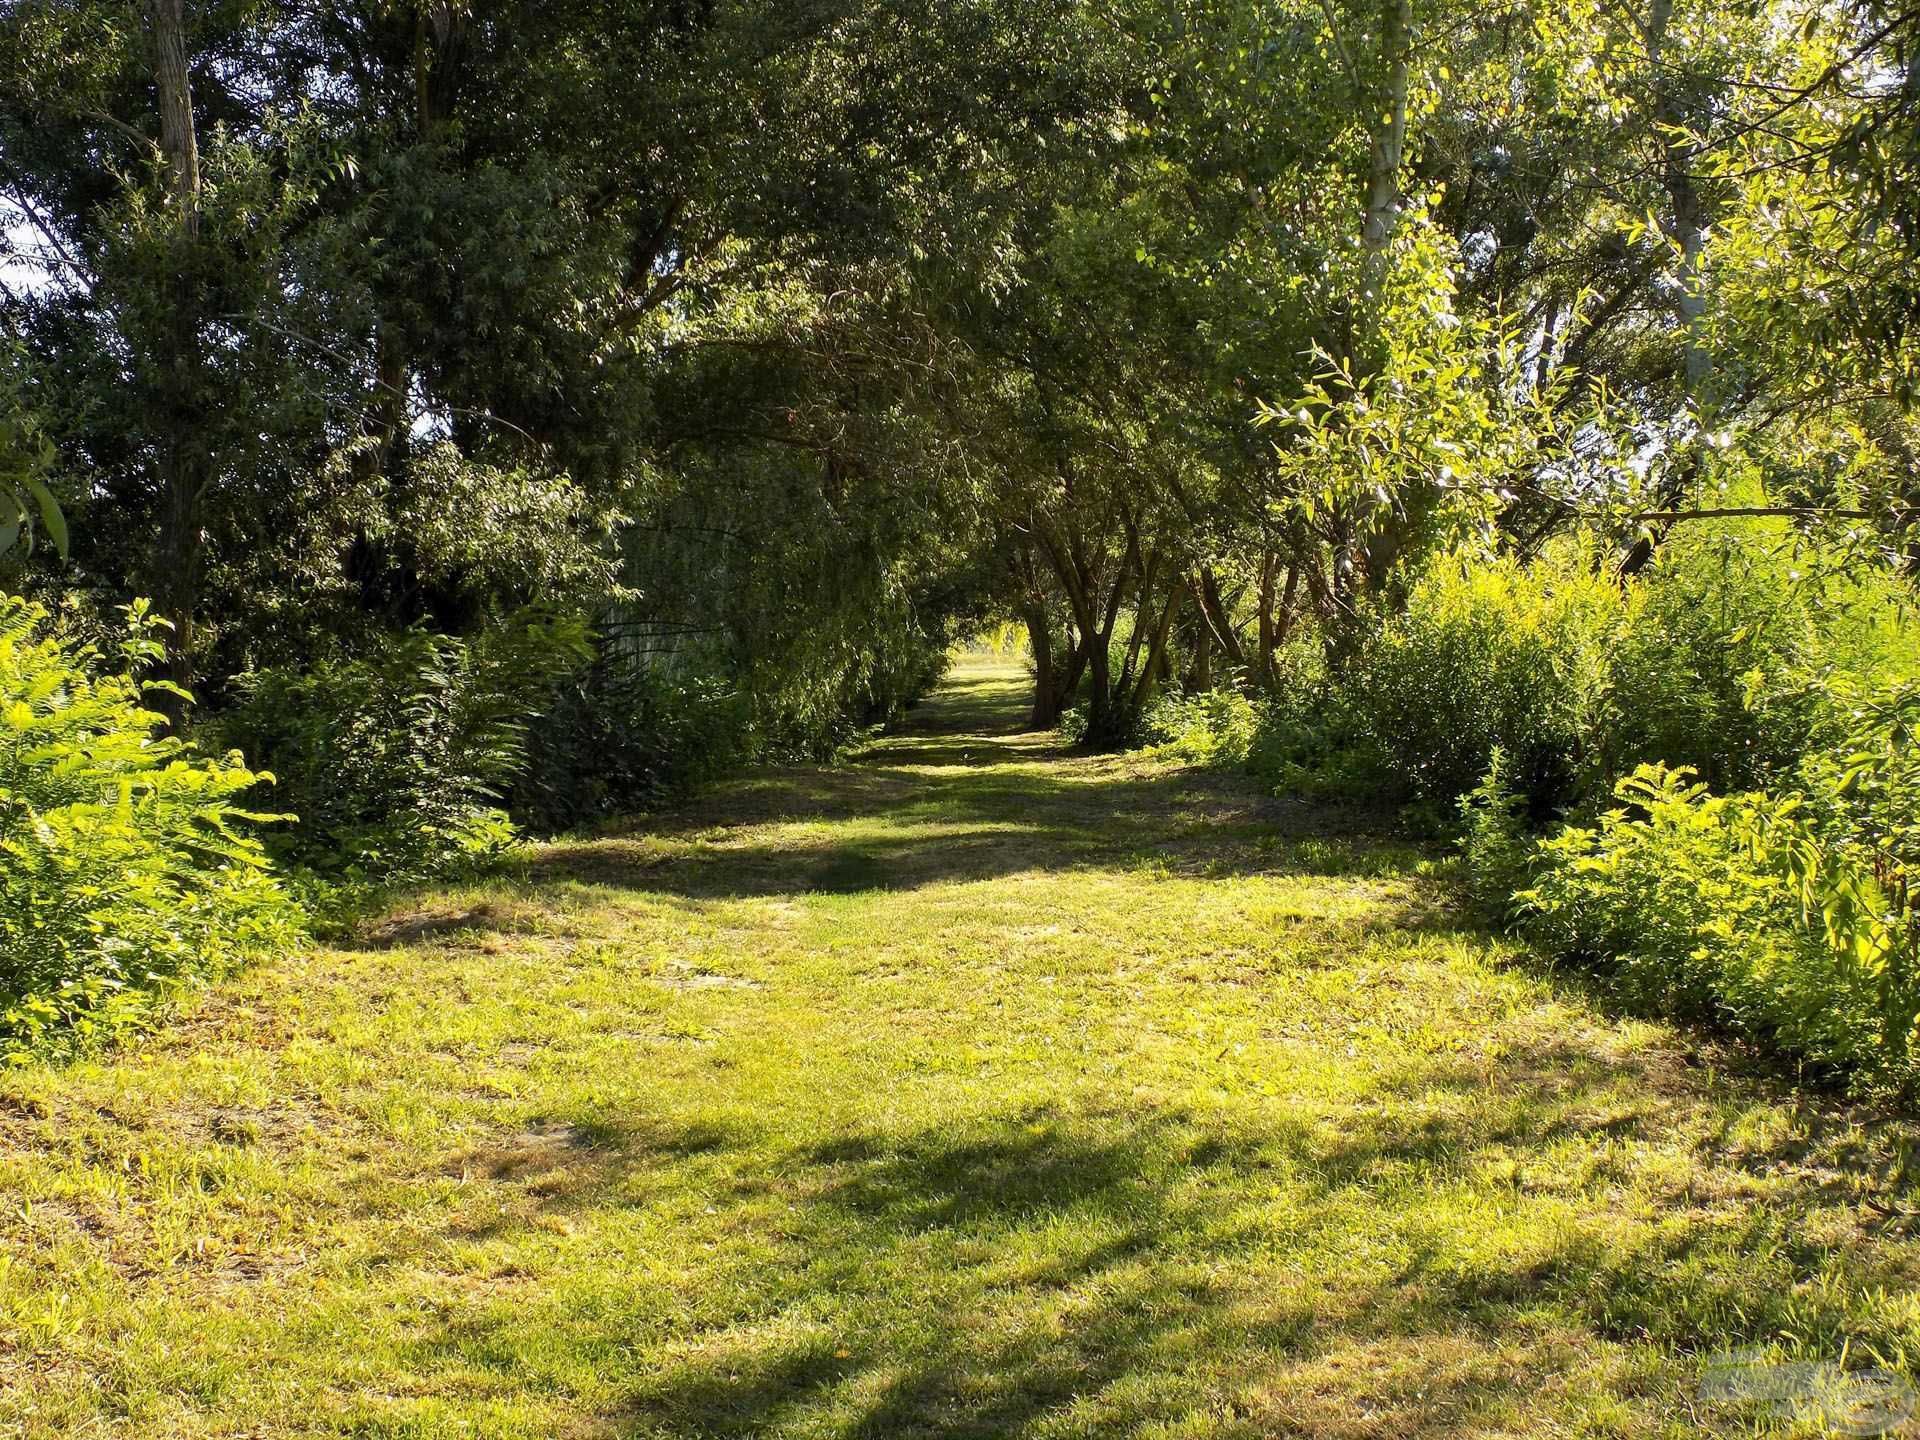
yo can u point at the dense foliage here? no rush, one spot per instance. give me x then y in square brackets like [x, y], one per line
[397, 768]
[1347, 388]
[1670, 891]
[1697, 779]
[129, 865]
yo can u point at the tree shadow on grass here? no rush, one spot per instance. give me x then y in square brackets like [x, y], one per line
[1430, 1261]
[1109, 1269]
[963, 794]
[1065, 1265]
[901, 829]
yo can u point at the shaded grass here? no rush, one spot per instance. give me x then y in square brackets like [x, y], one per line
[973, 1089]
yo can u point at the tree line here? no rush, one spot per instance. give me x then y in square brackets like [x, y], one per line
[753, 322]
[614, 390]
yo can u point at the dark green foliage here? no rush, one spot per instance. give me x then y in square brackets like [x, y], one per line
[395, 768]
[1492, 655]
[622, 739]
[28, 509]
[1307, 736]
[1320, 747]
[1313, 738]
[636, 731]
[129, 866]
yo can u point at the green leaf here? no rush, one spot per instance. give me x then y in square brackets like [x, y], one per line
[50, 516]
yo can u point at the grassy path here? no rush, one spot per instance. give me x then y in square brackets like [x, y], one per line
[972, 1089]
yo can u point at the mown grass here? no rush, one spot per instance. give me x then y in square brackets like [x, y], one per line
[973, 1089]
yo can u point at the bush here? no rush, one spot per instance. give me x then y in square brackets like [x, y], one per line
[396, 767]
[1862, 794]
[1304, 736]
[1712, 672]
[1677, 898]
[1496, 842]
[1312, 739]
[1848, 843]
[1758, 875]
[1742, 635]
[129, 869]
[1073, 724]
[619, 738]
[1486, 654]
[1760, 698]
[1215, 727]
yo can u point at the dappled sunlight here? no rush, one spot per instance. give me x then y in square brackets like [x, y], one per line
[959, 720]
[975, 1088]
[958, 797]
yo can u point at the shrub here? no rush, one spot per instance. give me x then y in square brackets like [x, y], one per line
[1312, 739]
[619, 738]
[1760, 698]
[1848, 842]
[1073, 724]
[395, 767]
[1743, 635]
[1863, 792]
[1672, 898]
[1491, 653]
[1214, 727]
[1712, 672]
[1496, 842]
[1759, 873]
[127, 869]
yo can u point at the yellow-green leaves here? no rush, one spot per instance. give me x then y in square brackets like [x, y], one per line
[126, 866]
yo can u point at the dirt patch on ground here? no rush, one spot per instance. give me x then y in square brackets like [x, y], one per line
[431, 924]
[537, 1150]
[681, 975]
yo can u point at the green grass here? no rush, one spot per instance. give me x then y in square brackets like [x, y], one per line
[971, 1089]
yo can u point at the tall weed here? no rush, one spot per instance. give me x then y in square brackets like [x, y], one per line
[397, 766]
[129, 866]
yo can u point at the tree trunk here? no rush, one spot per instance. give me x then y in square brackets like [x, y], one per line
[1276, 618]
[1689, 218]
[1104, 725]
[185, 466]
[173, 90]
[1269, 568]
[1282, 624]
[1070, 674]
[1218, 623]
[1048, 702]
[1200, 676]
[1389, 142]
[1151, 672]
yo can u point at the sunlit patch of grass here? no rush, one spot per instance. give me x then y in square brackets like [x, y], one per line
[972, 1089]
